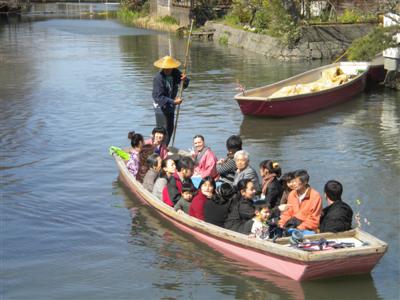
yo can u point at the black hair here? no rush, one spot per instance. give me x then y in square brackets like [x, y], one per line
[159, 130]
[234, 143]
[130, 134]
[272, 167]
[242, 184]
[199, 136]
[152, 160]
[333, 190]
[209, 179]
[302, 175]
[136, 139]
[185, 163]
[187, 187]
[286, 178]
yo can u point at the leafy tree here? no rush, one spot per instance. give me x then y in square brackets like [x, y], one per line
[379, 39]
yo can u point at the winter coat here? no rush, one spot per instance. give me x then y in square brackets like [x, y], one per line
[336, 217]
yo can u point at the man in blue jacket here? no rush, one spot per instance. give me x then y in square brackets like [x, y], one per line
[165, 90]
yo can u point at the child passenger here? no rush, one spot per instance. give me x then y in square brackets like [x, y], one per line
[183, 204]
[259, 227]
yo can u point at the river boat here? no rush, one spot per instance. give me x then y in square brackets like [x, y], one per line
[277, 256]
[259, 101]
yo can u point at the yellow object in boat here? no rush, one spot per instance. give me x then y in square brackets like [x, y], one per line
[329, 78]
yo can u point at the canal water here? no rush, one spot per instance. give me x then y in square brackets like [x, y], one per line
[70, 88]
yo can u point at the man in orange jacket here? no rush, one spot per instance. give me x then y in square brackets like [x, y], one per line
[303, 207]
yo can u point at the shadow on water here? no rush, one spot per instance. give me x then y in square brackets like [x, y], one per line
[180, 251]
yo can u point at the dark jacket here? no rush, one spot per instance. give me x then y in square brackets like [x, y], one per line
[240, 212]
[216, 210]
[336, 217]
[274, 193]
[162, 97]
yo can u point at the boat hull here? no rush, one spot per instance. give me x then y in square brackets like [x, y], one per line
[302, 104]
[291, 268]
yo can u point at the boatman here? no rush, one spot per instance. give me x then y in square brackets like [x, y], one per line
[165, 90]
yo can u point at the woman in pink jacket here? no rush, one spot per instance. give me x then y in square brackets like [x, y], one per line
[204, 159]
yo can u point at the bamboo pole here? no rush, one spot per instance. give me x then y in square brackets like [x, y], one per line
[180, 92]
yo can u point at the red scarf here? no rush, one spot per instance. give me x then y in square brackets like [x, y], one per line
[266, 181]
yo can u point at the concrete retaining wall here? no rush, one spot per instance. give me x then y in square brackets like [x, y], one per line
[317, 42]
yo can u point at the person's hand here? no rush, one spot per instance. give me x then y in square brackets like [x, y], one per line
[183, 76]
[221, 161]
[178, 100]
[180, 211]
[283, 207]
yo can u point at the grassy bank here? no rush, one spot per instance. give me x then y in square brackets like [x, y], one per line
[142, 20]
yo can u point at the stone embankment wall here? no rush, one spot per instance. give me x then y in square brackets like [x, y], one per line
[317, 42]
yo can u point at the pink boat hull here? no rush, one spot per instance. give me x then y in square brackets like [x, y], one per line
[302, 105]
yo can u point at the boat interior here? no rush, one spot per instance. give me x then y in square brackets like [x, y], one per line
[353, 70]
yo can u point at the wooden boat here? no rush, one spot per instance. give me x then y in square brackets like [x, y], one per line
[258, 101]
[280, 256]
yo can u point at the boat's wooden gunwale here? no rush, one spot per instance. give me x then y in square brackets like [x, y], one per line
[376, 246]
[307, 76]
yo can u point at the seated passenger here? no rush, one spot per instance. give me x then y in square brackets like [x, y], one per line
[154, 165]
[226, 167]
[304, 205]
[287, 183]
[172, 191]
[158, 142]
[168, 168]
[183, 204]
[271, 190]
[205, 160]
[216, 209]
[258, 225]
[337, 216]
[242, 208]
[205, 192]
[133, 163]
[244, 170]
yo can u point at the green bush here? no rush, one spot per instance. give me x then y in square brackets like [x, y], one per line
[241, 11]
[168, 20]
[261, 19]
[265, 16]
[126, 15]
[223, 40]
[281, 24]
[355, 16]
[365, 48]
[231, 20]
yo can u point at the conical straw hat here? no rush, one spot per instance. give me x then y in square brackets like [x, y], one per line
[167, 62]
